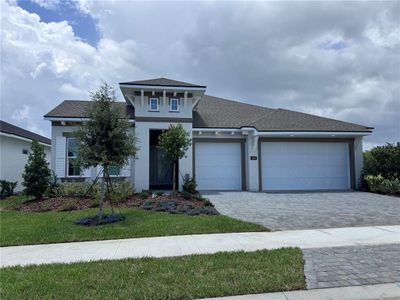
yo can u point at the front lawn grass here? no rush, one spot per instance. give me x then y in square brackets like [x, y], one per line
[13, 201]
[19, 228]
[186, 277]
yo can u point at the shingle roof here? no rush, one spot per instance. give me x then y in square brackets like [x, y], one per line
[78, 108]
[18, 131]
[163, 82]
[222, 113]
[214, 112]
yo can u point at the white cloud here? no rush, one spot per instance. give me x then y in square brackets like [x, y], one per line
[48, 4]
[336, 59]
[21, 114]
[44, 63]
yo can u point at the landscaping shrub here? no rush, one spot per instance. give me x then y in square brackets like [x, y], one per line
[121, 191]
[69, 206]
[383, 160]
[189, 184]
[186, 195]
[53, 185]
[77, 189]
[380, 184]
[7, 188]
[144, 194]
[37, 173]
[198, 197]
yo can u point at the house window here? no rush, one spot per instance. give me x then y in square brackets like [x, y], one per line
[24, 151]
[72, 155]
[114, 171]
[174, 105]
[153, 104]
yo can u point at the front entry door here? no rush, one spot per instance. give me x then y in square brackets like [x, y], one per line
[160, 169]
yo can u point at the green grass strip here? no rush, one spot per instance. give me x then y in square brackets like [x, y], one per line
[187, 277]
[19, 228]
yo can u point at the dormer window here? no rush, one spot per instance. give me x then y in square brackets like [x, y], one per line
[174, 105]
[153, 104]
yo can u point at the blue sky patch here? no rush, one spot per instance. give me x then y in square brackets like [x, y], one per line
[84, 25]
[334, 45]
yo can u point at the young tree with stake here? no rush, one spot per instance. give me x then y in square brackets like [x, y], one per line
[104, 140]
[175, 141]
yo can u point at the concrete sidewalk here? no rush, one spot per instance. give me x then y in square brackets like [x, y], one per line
[377, 291]
[197, 244]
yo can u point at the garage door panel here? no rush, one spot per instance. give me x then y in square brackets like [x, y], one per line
[304, 165]
[218, 166]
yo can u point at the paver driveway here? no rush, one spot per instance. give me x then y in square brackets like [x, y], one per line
[286, 211]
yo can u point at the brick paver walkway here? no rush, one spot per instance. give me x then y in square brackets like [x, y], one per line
[351, 266]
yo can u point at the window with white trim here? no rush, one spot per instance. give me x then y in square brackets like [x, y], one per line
[173, 104]
[72, 155]
[114, 171]
[153, 104]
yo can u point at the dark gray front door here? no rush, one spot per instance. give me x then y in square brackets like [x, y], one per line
[160, 169]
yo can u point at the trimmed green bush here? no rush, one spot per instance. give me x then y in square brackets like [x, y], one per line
[186, 195]
[144, 194]
[189, 184]
[380, 184]
[122, 190]
[383, 160]
[7, 188]
[37, 174]
[77, 189]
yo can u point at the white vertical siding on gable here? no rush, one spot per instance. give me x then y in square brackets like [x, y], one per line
[60, 156]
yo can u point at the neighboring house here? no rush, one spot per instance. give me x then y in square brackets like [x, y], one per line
[15, 144]
[236, 146]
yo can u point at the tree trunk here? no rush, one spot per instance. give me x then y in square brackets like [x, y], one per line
[174, 178]
[102, 192]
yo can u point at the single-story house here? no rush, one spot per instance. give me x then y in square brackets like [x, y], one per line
[15, 144]
[236, 146]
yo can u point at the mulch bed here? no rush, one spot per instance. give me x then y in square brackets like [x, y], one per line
[164, 203]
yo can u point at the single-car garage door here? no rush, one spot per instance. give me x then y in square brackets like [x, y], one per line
[218, 166]
[305, 166]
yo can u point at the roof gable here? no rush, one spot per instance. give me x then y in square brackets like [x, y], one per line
[163, 82]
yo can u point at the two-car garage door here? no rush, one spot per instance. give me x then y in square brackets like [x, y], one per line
[218, 166]
[284, 165]
[305, 166]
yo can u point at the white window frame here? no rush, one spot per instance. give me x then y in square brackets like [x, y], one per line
[177, 105]
[158, 104]
[119, 172]
[70, 157]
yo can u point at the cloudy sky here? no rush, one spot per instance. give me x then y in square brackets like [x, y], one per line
[334, 59]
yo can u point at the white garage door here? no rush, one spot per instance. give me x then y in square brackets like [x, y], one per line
[218, 166]
[304, 166]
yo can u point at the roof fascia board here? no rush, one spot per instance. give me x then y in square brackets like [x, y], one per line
[286, 133]
[65, 119]
[74, 119]
[162, 87]
[311, 133]
[217, 129]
